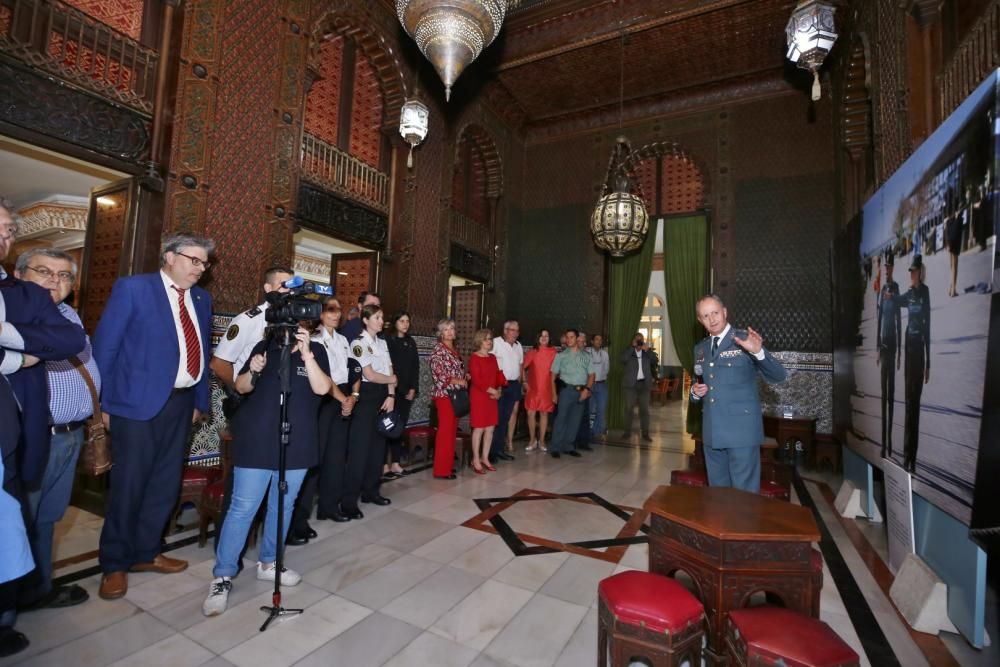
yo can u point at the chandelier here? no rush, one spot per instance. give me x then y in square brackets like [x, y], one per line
[619, 222]
[811, 34]
[452, 33]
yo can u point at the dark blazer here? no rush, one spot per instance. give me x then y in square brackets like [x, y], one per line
[137, 350]
[50, 337]
[631, 362]
[405, 363]
[731, 414]
[10, 433]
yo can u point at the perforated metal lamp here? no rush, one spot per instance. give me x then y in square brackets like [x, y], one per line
[452, 33]
[810, 34]
[619, 222]
[413, 123]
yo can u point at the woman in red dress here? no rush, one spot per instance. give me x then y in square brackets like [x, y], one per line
[485, 381]
[447, 369]
[538, 401]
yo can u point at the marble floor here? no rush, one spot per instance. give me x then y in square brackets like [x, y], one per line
[411, 585]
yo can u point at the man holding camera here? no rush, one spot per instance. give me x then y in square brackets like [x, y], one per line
[151, 345]
[641, 363]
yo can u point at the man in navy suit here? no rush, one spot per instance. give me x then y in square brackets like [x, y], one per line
[151, 346]
[726, 365]
[31, 329]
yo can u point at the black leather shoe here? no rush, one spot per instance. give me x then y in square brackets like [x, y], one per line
[451, 476]
[377, 500]
[296, 539]
[311, 534]
[573, 453]
[11, 642]
[58, 597]
[339, 517]
[353, 514]
[554, 455]
[505, 456]
[645, 436]
[585, 447]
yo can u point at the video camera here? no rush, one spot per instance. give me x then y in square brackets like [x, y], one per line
[301, 303]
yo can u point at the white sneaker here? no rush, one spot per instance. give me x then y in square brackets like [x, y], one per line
[218, 596]
[288, 577]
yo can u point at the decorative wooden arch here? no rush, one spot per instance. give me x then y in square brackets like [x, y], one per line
[672, 149]
[493, 164]
[353, 25]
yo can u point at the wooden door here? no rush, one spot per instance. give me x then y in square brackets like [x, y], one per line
[351, 274]
[110, 247]
[467, 311]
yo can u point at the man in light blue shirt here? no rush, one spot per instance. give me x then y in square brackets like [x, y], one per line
[70, 404]
[600, 364]
[572, 366]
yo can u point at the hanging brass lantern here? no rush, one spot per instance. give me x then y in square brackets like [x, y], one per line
[619, 222]
[451, 33]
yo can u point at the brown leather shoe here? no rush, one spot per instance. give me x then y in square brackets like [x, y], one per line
[163, 564]
[114, 585]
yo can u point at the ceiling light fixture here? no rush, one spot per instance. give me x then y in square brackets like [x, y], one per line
[811, 33]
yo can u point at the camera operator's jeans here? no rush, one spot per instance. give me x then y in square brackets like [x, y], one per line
[249, 487]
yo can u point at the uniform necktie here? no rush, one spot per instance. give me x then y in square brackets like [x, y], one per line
[190, 336]
[715, 345]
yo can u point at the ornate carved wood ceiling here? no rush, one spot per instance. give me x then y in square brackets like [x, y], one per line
[564, 57]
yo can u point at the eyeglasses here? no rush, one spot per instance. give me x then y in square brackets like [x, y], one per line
[63, 276]
[331, 309]
[195, 261]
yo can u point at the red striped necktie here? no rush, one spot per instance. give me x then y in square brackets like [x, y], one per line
[190, 336]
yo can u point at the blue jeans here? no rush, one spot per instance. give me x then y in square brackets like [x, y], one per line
[249, 487]
[567, 420]
[599, 409]
[47, 505]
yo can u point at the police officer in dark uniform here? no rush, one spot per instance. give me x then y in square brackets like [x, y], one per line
[917, 302]
[887, 340]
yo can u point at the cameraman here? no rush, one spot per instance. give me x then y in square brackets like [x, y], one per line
[640, 365]
[256, 429]
[245, 331]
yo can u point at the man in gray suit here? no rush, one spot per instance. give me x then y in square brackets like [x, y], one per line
[726, 365]
[640, 365]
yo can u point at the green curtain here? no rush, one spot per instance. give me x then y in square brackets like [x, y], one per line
[627, 293]
[685, 248]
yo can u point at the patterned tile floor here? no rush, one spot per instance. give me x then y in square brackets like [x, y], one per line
[431, 580]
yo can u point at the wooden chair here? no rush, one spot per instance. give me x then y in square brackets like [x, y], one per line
[663, 389]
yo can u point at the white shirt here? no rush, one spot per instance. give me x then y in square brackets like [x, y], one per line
[337, 352]
[509, 357]
[183, 380]
[244, 332]
[638, 356]
[600, 364]
[372, 352]
[10, 339]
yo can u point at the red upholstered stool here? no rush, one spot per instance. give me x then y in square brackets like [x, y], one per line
[643, 615]
[776, 636]
[689, 477]
[418, 436]
[770, 489]
[193, 481]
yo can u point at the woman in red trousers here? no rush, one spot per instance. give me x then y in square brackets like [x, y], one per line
[447, 370]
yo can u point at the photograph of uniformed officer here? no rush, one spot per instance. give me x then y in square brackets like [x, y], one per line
[888, 330]
[732, 424]
[917, 373]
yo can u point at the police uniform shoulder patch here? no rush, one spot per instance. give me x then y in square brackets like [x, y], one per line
[232, 332]
[254, 312]
[356, 350]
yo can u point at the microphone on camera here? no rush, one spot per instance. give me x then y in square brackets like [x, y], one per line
[698, 374]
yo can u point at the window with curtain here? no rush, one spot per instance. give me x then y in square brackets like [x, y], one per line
[651, 323]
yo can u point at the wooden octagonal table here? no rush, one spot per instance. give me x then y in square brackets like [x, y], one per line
[733, 544]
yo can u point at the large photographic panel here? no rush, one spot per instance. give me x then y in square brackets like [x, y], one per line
[918, 306]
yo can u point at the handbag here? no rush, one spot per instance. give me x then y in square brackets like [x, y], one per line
[95, 455]
[459, 397]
